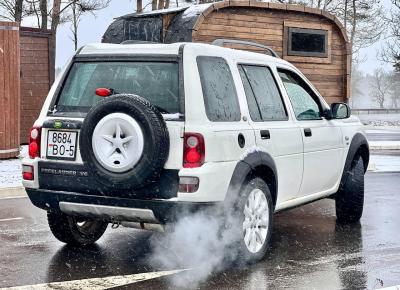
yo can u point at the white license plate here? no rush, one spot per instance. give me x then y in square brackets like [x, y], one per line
[61, 144]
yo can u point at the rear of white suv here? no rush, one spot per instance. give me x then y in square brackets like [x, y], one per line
[125, 135]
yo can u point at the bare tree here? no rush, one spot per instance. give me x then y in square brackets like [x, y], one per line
[139, 6]
[380, 87]
[395, 89]
[80, 7]
[43, 13]
[12, 10]
[390, 53]
[357, 77]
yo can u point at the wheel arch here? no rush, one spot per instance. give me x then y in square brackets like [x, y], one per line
[256, 164]
[358, 148]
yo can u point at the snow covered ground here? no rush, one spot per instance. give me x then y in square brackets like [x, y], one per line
[380, 119]
[10, 170]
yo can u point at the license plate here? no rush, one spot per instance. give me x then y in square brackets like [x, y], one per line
[61, 144]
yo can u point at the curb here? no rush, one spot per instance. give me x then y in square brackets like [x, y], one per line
[12, 192]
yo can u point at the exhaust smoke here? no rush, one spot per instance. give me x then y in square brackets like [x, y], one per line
[205, 242]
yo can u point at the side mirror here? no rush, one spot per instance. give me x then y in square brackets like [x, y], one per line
[340, 111]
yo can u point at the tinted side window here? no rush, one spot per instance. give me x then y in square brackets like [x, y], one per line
[254, 110]
[303, 99]
[219, 90]
[263, 96]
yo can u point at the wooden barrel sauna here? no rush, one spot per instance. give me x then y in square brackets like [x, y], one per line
[311, 39]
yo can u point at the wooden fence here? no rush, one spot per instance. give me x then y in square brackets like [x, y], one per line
[9, 89]
[26, 74]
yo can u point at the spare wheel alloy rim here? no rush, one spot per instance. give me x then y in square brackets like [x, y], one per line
[256, 221]
[117, 142]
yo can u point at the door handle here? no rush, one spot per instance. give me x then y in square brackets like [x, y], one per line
[307, 132]
[265, 134]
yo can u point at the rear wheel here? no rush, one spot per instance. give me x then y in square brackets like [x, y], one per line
[74, 230]
[350, 199]
[255, 208]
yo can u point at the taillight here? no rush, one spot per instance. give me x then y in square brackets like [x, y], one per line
[193, 150]
[34, 142]
[27, 172]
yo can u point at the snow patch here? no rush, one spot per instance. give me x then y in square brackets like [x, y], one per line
[195, 10]
[251, 150]
[171, 117]
[385, 163]
[10, 170]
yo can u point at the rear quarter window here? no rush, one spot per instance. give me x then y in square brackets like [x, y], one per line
[219, 91]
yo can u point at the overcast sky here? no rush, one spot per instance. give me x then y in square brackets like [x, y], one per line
[92, 28]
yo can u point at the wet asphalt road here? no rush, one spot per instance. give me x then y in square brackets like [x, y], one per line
[309, 250]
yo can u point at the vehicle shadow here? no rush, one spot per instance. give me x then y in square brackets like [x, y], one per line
[123, 252]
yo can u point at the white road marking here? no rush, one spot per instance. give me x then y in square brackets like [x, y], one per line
[12, 219]
[391, 288]
[96, 283]
[13, 197]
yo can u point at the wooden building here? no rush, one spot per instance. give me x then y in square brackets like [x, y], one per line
[26, 74]
[311, 39]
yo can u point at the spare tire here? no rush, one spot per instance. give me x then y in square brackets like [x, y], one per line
[124, 142]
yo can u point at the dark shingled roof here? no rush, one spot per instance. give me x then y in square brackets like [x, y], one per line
[148, 26]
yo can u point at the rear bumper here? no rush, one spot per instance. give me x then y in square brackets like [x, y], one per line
[164, 210]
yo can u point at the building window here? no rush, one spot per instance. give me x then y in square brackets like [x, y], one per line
[308, 42]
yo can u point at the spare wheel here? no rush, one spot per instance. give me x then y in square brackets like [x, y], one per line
[124, 142]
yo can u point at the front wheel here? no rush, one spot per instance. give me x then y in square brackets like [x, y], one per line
[74, 230]
[255, 209]
[350, 199]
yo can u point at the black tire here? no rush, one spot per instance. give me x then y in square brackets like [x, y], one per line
[156, 142]
[245, 255]
[350, 198]
[67, 229]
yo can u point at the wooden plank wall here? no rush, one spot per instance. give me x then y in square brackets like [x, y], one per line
[37, 75]
[9, 90]
[266, 26]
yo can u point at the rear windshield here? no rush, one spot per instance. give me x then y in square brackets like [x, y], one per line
[158, 82]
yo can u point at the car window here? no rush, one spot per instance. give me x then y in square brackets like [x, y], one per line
[157, 82]
[219, 91]
[303, 99]
[263, 96]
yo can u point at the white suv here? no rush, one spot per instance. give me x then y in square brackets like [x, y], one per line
[137, 134]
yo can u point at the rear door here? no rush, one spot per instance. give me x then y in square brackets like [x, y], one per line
[275, 131]
[323, 147]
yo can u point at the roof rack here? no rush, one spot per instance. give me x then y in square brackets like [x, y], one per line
[222, 41]
[137, 42]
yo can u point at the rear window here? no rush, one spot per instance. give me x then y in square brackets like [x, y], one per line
[158, 82]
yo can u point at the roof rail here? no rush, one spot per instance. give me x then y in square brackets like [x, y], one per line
[222, 41]
[138, 42]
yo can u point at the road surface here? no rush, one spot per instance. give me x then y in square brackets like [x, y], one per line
[309, 251]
